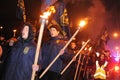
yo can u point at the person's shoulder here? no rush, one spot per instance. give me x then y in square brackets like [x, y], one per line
[58, 41]
[32, 44]
[61, 41]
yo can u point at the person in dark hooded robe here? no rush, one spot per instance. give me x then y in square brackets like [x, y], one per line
[19, 65]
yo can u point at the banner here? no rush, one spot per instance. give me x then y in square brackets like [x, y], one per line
[59, 18]
[21, 10]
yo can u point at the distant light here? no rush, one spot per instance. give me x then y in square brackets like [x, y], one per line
[1, 27]
[90, 48]
[117, 59]
[116, 47]
[14, 30]
[85, 49]
[98, 54]
[117, 68]
[83, 42]
[115, 34]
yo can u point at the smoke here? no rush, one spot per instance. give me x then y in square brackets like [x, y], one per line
[97, 13]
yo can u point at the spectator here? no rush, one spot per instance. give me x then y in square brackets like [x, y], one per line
[72, 50]
[101, 64]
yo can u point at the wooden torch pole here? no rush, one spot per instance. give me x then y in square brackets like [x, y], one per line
[74, 57]
[38, 45]
[82, 23]
[76, 72]
[59, 53]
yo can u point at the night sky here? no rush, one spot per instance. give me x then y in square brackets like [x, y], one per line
[101, 14]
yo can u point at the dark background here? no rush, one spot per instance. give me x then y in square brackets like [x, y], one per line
[101, 14]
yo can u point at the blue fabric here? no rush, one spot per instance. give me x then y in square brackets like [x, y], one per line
[19, 66]
[59, 7]
[49, 51]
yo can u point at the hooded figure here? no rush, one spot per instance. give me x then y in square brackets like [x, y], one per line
[19, 65]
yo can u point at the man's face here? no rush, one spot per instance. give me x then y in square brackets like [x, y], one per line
[11, 43]
[73, 45]
[2, 38]
[25, 32]
[102, 57]
[54, 32]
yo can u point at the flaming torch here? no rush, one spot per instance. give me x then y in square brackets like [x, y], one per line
[74, 57]
[14, 32]
[82, 23]
[43, 17]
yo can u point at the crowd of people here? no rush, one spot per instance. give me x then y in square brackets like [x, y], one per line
[17, 57]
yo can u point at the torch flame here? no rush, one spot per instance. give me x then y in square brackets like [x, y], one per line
[117, 68]
[49, 11]
[46, 15]
[14, 30]
[90, 48]
[1, 27]
[82, 23]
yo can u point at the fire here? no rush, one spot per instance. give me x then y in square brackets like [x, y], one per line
[90, 48]
[52, 9]
[49, 11]
[14, 30]
[83, 22]
[46, 15]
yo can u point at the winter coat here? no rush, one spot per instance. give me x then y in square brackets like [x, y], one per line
[49, 51]
[19, 66]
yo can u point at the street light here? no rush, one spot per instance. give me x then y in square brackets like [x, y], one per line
[115, 34]
[117, 54]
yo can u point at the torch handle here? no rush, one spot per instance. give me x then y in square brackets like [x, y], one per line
[38, 46]
[77, 67]
[71, 38]
[74, 57]
[59, 53]
[14, 34]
